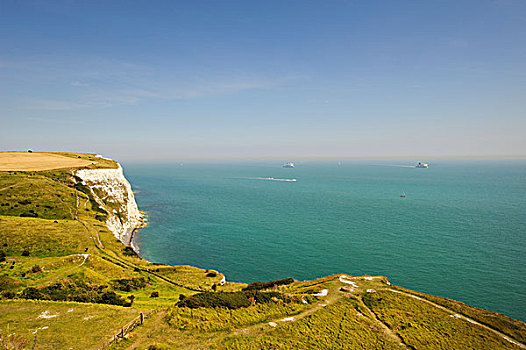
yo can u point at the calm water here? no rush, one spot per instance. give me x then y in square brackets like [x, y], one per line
[459, 233]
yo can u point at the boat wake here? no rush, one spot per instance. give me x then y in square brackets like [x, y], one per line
[272, 179]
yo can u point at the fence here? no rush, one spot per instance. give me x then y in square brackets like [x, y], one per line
[126, 330]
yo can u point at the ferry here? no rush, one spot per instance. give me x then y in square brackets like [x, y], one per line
[288, 165]
[422, 165]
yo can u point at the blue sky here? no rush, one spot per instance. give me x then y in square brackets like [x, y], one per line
[249, 79]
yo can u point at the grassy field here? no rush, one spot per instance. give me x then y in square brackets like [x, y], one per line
[63, 325]
[55, 246]
[423, 326]
[24, 161]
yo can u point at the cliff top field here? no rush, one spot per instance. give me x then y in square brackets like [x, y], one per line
[39, 161]
[67, 282]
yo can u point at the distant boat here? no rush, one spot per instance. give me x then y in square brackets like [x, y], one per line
[288, 165]
[402, 195]
[422, 165]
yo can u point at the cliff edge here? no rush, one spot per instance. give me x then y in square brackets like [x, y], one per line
[113, 193]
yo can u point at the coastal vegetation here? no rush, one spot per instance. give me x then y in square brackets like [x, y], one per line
[67, 282]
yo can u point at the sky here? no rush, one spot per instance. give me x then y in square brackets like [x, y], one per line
[252, 79]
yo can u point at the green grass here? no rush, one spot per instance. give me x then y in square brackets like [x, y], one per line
[222, 319]
[43, 237]
[336, 326]
[32, 194]
[514, 328]
[189, 276]
[424, 326]
[76, 326]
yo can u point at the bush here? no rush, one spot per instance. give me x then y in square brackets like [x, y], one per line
[36, 269]
[211, 274]
[80, 292]
[29, 215]
[32, 293]
[266, 285]
[2, 255]
[128, 251]
[25, 253]
[156, 347]
[9, 295]
[154, 294]
[230, 300]
[127, 285]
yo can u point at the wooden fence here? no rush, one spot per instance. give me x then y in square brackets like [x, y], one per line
[137, 321]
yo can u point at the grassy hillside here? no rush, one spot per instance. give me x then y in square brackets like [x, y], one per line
[68, 283]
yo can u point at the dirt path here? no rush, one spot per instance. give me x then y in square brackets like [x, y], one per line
[388, 332]
[9, 187]
[454, 314]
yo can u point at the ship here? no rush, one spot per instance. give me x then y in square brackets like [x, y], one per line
[422, 165]
[288, 165]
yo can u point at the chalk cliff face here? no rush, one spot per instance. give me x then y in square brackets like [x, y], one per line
[114, 193]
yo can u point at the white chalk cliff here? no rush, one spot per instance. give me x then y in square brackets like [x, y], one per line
[115, 195]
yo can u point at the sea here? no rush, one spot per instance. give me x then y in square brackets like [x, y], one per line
[459, 232]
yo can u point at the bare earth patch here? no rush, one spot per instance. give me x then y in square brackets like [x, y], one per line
[22, 161]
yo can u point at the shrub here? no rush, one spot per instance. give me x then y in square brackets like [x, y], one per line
[80, 292]
[2, 255]
[25, 253]
[127, 285]
[36, 269]
[128, 251]
[32, 293]
[156, 347]
[9, 295]
[230, 300]
[154, 294]
[24, 202]
[29, 215]
[266, 285]
[211, 274]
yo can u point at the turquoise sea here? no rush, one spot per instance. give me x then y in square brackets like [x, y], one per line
[460, 232]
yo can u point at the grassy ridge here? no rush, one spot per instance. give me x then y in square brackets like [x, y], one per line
[507, 325]
[337, 326]
[423, 326]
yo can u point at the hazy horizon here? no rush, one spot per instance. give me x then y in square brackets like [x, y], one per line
[264, 79]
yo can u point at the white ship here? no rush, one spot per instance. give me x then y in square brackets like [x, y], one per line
[288, 165]
[422, 165]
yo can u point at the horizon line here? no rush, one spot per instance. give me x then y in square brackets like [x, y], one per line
[301, 157]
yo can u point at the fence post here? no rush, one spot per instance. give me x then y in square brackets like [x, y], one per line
[142, 318]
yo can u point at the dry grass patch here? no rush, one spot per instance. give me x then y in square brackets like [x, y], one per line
[18, 161]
